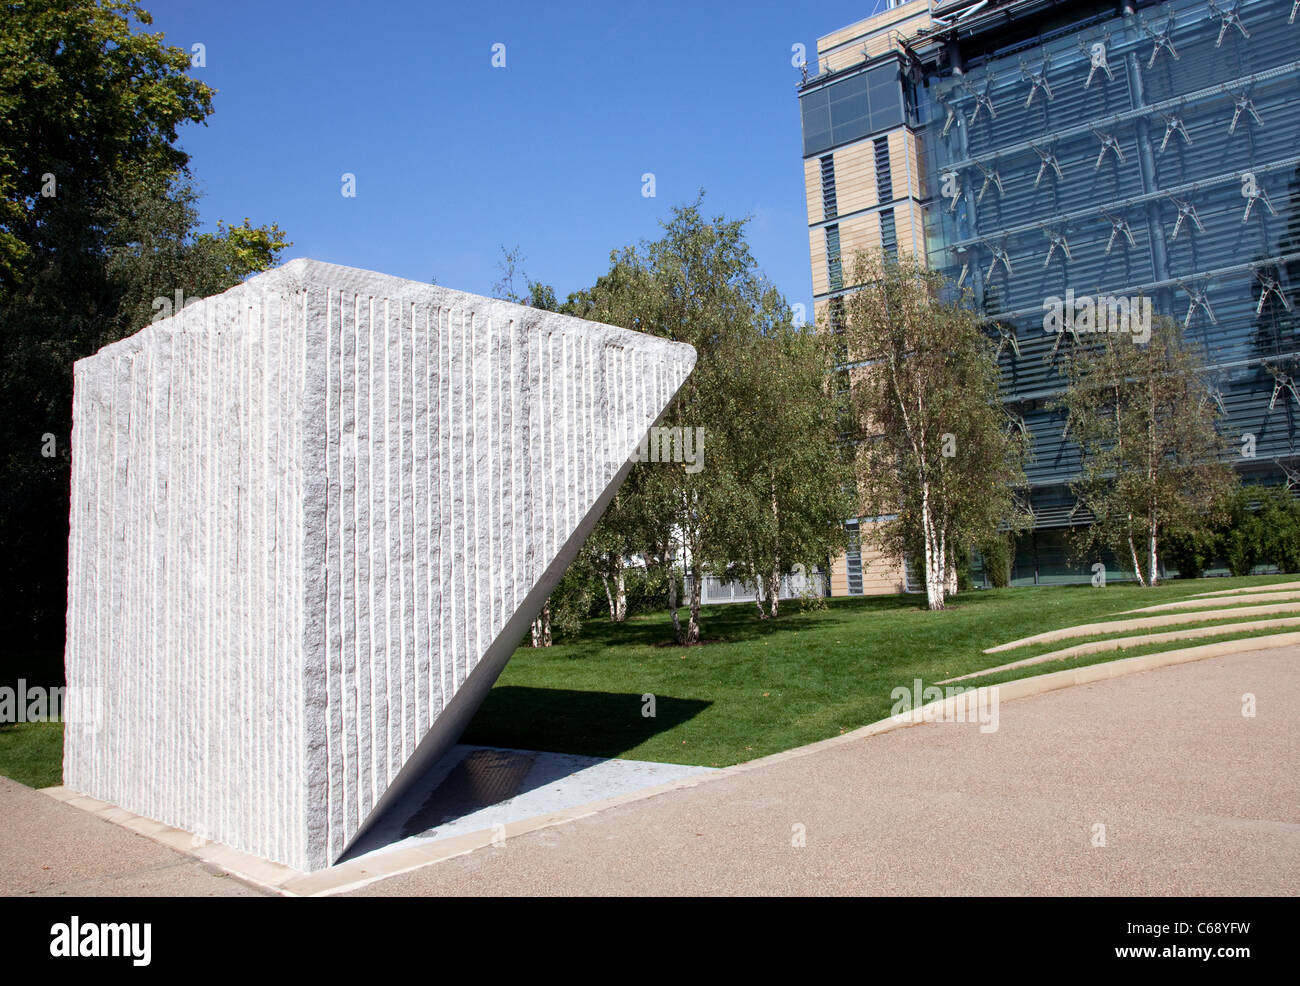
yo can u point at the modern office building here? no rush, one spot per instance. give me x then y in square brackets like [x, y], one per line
[1028, 148]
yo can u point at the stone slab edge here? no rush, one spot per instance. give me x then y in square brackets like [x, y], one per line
[1144, 623]
[356, 874]
[1123, 643]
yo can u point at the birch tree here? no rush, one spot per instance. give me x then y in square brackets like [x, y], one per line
[793, 482]
[1146, 426]
[762, 495]
[937, 454]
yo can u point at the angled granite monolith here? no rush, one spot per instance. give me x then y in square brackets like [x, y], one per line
[311, 519]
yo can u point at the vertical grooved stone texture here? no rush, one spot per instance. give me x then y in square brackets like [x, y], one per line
[311, 519]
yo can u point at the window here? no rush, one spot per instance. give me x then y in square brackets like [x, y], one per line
[828, 187]
[888, 238]
[852, 107]
[834, 269]
[853, 559]
[884, 177]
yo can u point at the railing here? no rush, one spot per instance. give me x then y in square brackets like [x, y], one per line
[715, 590]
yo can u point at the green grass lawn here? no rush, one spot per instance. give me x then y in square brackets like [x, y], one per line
[32, 753]
[761, 687]
[768, 687]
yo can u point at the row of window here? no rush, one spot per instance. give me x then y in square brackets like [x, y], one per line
[830, 208]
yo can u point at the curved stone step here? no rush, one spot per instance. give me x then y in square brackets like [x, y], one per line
[1120, 626]
[1120, 643]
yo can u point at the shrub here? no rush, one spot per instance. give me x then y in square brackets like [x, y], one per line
[998, 554]
[1279, 520]
[1240, 535]
[1191, 552]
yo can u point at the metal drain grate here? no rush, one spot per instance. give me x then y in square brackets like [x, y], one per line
[482, 779]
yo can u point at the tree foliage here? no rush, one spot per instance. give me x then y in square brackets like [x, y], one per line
[938, 453]
[1152, 456]
[768, 494]
[98, 219]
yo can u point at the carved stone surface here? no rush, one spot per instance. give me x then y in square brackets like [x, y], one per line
[311, 519]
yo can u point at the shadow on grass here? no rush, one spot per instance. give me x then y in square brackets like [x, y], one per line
[595, 724]
[733, 622]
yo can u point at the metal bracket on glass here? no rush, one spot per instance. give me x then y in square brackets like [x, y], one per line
[1216, 395]
[950, 188]
[1242, 103]
[1097, 58]
[1037, 80]
[1007, 337]
[982, 99]
[1118, 227]
[1060, 336]
[1200, 300]
[1270, 285]
[1108, 143]
[1046, 160]
[1281, 381]
[963, 254]
[999, 254]
[1057, 241]
[1186, 210]
[1228, 17]
[1174, 124]
[991, 177]
[1254, 192]
[950, 110]
[1162, 38]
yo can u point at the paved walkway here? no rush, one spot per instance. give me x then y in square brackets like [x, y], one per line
[52, 849]
[1195, 799]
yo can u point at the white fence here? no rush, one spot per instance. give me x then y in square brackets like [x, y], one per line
[716, 590]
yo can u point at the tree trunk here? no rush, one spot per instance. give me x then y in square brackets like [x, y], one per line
[609, 597]
[620, 595]
[540, 630]
[933, 549]
[774, 580]
[672, 599]
[1151, 549]
[1137, 565]
[693, 624]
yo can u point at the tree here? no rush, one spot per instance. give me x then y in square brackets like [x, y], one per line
[768, 495]
[1241, 533]
[1146, 427]
[937, 452]
[793, 483]
[97, 220]
[1279, 521]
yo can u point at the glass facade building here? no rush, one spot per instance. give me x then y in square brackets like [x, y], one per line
[1116, 151]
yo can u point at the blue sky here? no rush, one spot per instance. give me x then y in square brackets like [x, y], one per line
[454, 158]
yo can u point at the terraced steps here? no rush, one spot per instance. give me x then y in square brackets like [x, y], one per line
[1121, 643]
[1254, 597]
[1143, 623]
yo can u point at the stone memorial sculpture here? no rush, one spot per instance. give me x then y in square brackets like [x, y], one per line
[311, 519]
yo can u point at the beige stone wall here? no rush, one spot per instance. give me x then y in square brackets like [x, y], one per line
[845, 46]
[856, 189]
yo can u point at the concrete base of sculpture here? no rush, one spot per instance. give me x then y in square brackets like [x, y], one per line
[311, 519]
